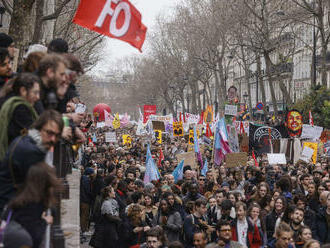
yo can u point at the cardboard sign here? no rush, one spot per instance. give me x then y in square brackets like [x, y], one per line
[276, 158]
[127, 140]
[158, 125]
[189, 159]
[158, 136]
[230, 110]
[311, 132]
[178, 129]
[191, 137]
[236, 159]
[110, 137]
[312, 145]
[164, 118]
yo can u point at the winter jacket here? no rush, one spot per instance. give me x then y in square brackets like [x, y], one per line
[23, 152]
[322, 228]
[254, 239]
[270, 222]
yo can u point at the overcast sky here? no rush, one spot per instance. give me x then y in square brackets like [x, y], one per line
[116, 49]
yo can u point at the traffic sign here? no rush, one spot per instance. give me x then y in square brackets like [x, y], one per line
[260, 106]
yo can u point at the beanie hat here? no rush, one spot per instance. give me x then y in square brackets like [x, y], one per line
[58, 46]
[5, 40]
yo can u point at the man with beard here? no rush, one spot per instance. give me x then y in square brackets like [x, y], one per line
[223, 229]
[5, 67]
[26, 151]
[52, 72]
[193, 194]
[296, 221]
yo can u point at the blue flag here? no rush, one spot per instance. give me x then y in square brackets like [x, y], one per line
[151, 172]
[178, 172]
[94, 139]
[205, 169]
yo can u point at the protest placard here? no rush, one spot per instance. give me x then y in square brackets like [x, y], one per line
[100, 124]
[311, 132]
[178, 129]
[127, 140]
[236, 159]
[276, 158]
[158, 125]
[312, 145]
[307, 154]
[110, 137]
[230, 110]
[189, 159]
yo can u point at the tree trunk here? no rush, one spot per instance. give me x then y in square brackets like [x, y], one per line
[37, 34]
[270, 81]
[19, 23]
[193, 97]
[222, 88]
[324, 64]
[262, 86]
[285, 92]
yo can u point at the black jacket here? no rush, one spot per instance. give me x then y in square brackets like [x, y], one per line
[25, 151]
[322, 228]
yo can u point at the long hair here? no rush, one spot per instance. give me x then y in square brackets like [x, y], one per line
[39, 187]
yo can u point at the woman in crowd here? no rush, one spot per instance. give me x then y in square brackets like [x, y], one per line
[29, 207]
[274, 218]
[253, 214]
[149, 211]
[304, 235]
[312, 197]
[312, 244]
[260, 194]
[169, 219]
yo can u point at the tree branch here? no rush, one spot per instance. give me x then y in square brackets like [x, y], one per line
[7, 7]
[57, 12]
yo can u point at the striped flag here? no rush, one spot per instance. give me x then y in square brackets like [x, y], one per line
[205, 169]
[311, 120]
[221, 145]
[178, 172]
[196, 147]
[151, 172]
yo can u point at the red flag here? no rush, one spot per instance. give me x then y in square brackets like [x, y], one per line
[311, 120]
[117, 19]
[147, 111]
[180, 116]
[255, 160]
[241, 128]
[161, 157]
[201, 118]
[208, 131]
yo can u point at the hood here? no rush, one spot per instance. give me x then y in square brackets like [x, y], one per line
[36, 136]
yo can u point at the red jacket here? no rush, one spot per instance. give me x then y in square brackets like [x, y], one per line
[254, 239]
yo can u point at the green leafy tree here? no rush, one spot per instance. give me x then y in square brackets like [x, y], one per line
[318, 101]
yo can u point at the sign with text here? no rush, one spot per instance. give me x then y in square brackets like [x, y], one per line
[158, 125]
[117, 19]
[158, 136]
[110, 137]
[276, 158]
[163, 118]
[230, 110]
[127, 140]
[312, 145]
[147, 111]
[236, 159]
[307, 154]
[311, 132]
[178, 129]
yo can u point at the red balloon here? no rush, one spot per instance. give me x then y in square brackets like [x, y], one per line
[98, 111]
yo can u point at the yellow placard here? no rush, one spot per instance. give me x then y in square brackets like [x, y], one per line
[191, 137]
[127, 140]
[178, 129]
[116, 122]
[158, 135]
[312, 145]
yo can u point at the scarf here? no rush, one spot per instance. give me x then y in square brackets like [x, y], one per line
[6, 114]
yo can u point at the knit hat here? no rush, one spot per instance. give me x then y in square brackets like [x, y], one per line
[5, 40]
[58, 46]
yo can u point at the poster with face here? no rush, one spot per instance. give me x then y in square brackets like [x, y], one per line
[232, 95]
[294, 123]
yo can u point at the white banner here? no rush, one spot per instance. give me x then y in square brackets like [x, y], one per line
[276, 158]
[246, 125]
[191, 118]
[311, 132]
[230, 110]
[165, 118]
[110, 137]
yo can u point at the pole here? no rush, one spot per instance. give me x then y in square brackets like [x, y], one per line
[314, 53]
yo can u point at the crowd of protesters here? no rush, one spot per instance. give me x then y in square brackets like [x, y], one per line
[248, 206]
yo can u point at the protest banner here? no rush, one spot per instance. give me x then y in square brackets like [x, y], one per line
[276, 158]
[230, 110]
[191, 137]
[311, 132]
[158, 125]
[163, 118]
[178, 129]
[127, 140]
[158, 136]
[312, 145]
[307, 154]
[191, 118]
[189, 159]
[147, 111]
[100, 124]
[243, 142]
[246, 126]
[110, 137]
[236, 159]
[116, 122]
[116, 19]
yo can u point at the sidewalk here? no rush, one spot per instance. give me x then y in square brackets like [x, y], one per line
[70, 212]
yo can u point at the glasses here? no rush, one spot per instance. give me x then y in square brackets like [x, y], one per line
[225, 230]
[51, 133]
[202, 179]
